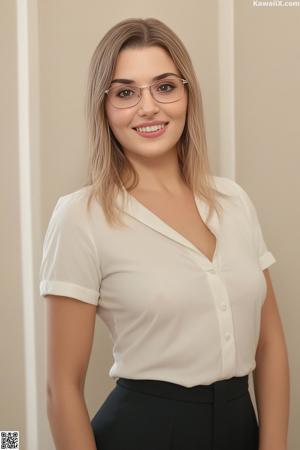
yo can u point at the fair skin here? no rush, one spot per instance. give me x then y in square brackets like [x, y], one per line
[271, 376]
[70, 332]
[161, 187]
[155, 160]
[71, 323]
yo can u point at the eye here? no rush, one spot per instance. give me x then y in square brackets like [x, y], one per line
[124, 92]
[167, 86]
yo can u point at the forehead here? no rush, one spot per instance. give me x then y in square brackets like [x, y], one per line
[143, 64]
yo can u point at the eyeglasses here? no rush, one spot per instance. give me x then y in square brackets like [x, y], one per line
[168, 90]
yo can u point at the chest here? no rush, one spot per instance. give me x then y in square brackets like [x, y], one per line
[183, 216]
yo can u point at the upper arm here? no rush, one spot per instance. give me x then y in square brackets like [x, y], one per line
[271, 330]
[70, 332]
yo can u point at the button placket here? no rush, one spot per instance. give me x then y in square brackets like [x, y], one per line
[222, 309]
[221, 299]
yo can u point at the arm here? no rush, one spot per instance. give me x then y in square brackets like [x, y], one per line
[271, 377]
[70, 331]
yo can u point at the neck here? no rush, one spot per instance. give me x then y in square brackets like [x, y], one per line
[160, 175]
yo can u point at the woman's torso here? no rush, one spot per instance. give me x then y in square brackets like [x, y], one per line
[161, 298]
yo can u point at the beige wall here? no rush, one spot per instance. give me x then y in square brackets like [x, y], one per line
[12, 372]
[267, 70]
[267, 75]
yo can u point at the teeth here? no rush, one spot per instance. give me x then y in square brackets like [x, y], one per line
[149, 129]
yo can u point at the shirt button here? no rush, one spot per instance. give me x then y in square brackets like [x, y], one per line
[227, 336]
[212, 270]
[223, 306]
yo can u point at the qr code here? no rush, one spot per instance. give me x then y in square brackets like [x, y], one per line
[10, 439]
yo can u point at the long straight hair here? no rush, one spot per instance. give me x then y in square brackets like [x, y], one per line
[107, 161]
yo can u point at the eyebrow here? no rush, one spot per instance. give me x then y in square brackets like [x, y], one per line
[158, 77]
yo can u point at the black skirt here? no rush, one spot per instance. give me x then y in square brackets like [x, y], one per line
[158, 415]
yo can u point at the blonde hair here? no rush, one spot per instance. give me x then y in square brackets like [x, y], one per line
[107, 161]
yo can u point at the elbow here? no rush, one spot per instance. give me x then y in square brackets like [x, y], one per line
[49, 391]
[61, 391]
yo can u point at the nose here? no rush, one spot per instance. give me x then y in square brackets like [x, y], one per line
[147, 103]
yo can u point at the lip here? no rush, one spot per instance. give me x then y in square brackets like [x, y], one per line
[152, 134]
[149, 124]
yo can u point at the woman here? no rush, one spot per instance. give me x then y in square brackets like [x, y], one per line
[174, 262]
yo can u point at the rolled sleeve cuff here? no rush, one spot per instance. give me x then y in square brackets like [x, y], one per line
[266, 260]
[69, 290]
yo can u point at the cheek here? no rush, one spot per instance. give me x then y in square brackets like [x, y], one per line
[118, 119]
[179, 111]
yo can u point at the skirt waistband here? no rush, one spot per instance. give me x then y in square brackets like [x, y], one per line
[227, 389]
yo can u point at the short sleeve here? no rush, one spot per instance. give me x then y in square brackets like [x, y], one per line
[70, 263]
[265, 257]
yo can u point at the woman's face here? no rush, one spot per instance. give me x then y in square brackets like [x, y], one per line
[142, 65]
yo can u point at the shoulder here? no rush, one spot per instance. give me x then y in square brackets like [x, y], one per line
[228, 186]
[70, 213]
[235, 190]
[235, 194]
[73, 201]
[73, 206]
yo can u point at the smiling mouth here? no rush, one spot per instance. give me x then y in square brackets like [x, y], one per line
[144, 129]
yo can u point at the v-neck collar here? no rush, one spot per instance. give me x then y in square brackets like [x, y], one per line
[140, 212]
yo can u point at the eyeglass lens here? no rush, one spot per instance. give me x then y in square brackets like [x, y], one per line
[164, 91]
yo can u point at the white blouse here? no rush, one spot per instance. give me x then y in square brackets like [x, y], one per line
[172, 314]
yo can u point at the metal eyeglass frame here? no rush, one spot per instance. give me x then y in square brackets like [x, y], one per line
[149, 86]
